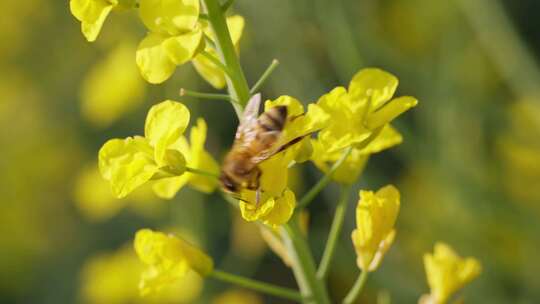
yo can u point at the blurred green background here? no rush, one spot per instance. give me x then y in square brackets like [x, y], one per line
[468, 170]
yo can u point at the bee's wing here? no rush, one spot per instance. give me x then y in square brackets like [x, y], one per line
[276, 149]
[249, 117]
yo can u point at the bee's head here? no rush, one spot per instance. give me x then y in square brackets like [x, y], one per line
[228, 183]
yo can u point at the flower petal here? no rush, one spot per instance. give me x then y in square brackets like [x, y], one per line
[153, 60]
[374, 83]
[183, 48]
[169, 16]
[165, 123]
[390, 111]
[126, 164]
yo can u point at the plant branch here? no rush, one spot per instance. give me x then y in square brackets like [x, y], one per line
[321, 184]
[212, 96]
[264, 77]
[236, 81]
[263, 287]
[335, 231]
[313, 291]
[357, 288]
[201, 172]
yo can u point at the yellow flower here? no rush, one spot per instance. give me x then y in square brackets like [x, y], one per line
[274, 211]
[447, 272]
[376, 215]
[175, 37]
[113, 278]
[92, 14]
[112, 87]
[213, 74]
[197, 158]
[131, 162]
[359, 111]
[168, 259]
[354, 164]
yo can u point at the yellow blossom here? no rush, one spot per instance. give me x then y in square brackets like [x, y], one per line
[175, 37]
[168, 258]
[112, 87]
[197, 158]
[376, 215]
[113, 278]
[213, 74]
[359, 111]
[93, 13]
[129, 163]
[349, 171]
[447, 272]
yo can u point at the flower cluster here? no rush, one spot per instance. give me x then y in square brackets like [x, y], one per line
[176, 35]
[162, 155]
[338, 133]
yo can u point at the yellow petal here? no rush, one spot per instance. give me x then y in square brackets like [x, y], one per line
[390, 111]
[182, 48]
[282, 211]
[92, 14]
[236, 27]
[170, 17]
[375, 84]
[447, 272]
[126, 164]
[165, 123]
[202, 160]
[376, 214]
[209, 71]
[167, 188]
[153, 60]
[169, 258]
[388, 138]
[253, 212]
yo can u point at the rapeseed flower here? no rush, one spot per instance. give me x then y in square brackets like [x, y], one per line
[131, 162]
[376, 215]
[447, 273]
[93, 13]
[168, 259]
[175, 37]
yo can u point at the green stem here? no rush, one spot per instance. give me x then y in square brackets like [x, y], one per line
[236, 81]
[357, 288]
[201, 172]
[313, 291]
[212, 96]
[227, 5]
[263, 287]
[335, 231]
[217, 62]
[321, 184]
[264, 76]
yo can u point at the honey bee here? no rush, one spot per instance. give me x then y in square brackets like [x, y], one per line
[257, 139]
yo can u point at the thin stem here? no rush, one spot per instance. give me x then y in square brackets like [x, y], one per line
[313, 291]
[321, 184]
[201, 172]
[335, 231]
[357, 288]
[263, 287]
[227, 5]
[264, 76]
[212, 96]
[216, 61]
[236, 81]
